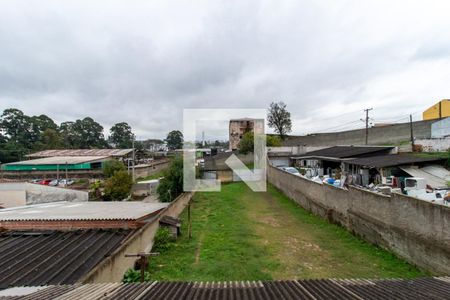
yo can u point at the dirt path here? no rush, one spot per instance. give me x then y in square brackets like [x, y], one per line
[306, 247]
[290, 243]
[243, 235]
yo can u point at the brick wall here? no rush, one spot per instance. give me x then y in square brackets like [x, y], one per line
[68, 225]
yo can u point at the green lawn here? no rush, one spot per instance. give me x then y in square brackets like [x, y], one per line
[242, 235]
[444, 155]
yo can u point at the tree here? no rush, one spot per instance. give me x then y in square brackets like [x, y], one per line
[279, 119]
[118, 187]
[39, 125]
[172, 184]
[51, 139]
[246, 144]
[17, 127]
[121, 135]
[174, 140]
[112, 166]
[69, 137]
[273, 141]
[88, 134]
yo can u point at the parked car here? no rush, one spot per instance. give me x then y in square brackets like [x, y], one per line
[64, 182]
[54, 182]
[36, 180]
[292, 170]
[45, 181]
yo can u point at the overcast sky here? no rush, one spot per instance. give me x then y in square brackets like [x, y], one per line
[142, 62]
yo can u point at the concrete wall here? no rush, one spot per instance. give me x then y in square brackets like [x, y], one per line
[150, 169]
[114, 267]
[36, 193]
[294, 150]
[391, 134]
[434, 145]
[440, 129]
[415, 230]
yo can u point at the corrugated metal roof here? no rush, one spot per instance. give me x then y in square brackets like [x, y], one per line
[424, 288]
[438, 171]
[114, 210]
[53, 257]
[391, 160]
[433, 181]
[82, 152]
[60, 160]
[348, 151]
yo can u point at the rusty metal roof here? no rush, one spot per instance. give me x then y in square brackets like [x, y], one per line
[82, 152]
[60, 160]
[423, 288]
[54, 257]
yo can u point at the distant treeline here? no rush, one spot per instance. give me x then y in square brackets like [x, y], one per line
[21, 134]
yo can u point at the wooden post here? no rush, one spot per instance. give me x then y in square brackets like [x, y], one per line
[143, 259]
[189, 221]
[143, 266]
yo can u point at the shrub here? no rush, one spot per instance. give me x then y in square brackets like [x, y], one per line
[172, 184]
[112, 166]
[131, 276]
[163, 241]
[247, 142]
[118, 187]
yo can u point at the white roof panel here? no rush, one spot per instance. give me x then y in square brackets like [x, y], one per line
[438, 171]
[115, 210]
[433, 181]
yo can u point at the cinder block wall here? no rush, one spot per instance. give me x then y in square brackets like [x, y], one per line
[416, 230]
[391, 134]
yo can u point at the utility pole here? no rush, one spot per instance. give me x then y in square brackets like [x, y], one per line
[412, 133]
[133, 158]
[367, 124]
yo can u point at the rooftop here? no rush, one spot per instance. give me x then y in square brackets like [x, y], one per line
[54, 257]
[348, 151]
[423, 288]
[60, 160]
[82, 152]
[115, 210]
[392, 160]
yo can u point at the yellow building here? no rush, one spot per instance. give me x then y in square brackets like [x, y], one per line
[437, 111]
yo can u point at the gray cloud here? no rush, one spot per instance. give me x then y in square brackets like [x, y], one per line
[143, 62]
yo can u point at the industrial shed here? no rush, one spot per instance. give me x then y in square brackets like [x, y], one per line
[82, 152]
[60, 163]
